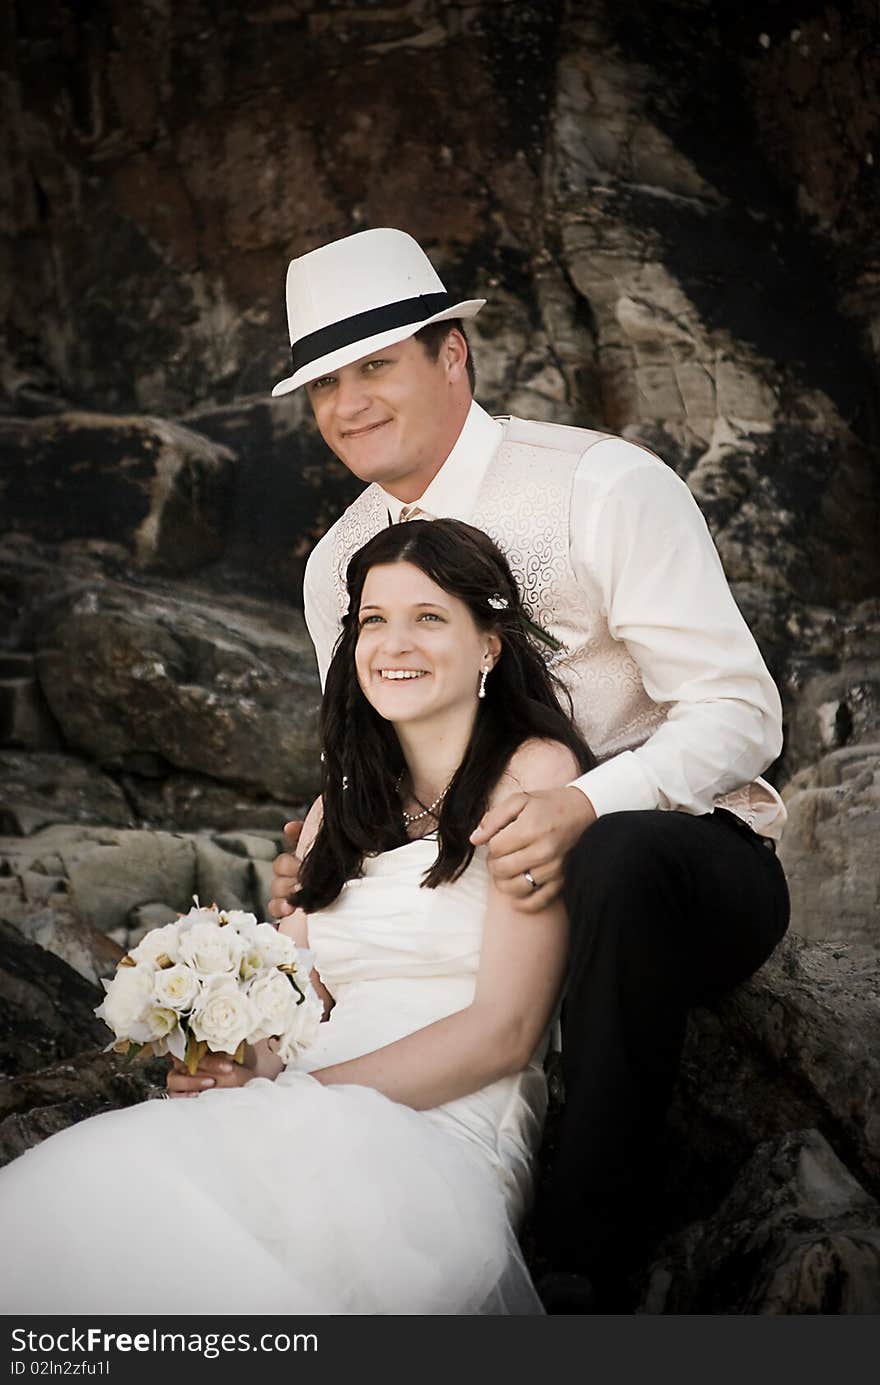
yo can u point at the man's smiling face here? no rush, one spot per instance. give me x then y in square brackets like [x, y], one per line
[393, 417]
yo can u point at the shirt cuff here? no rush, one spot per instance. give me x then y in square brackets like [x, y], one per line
[617, 786]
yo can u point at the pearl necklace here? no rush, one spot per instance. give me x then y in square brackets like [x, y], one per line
[410, 818]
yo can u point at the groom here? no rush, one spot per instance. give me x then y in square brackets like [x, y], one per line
[665, 851]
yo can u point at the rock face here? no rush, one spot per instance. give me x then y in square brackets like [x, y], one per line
[66, 885]
[798, 1047]
[158, 488]
[150, 681]
[42, 788]
[830, 849]
[672, 212]
[287, 487]
[46, 1009]
[210, 689]
[796, 1234]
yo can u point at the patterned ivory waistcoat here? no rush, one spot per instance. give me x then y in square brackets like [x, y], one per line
[524, 505]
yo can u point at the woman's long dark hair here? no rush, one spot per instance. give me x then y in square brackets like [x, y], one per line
[362, 758]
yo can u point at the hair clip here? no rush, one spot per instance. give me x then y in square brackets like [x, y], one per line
[498, 603]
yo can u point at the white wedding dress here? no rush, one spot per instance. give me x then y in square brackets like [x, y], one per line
[292, 1197]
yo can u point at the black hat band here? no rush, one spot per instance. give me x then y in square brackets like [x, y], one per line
[363, 325]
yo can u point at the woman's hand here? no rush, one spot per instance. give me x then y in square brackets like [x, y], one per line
[215, 1070]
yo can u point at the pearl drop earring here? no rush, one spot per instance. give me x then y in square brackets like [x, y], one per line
[484, 674]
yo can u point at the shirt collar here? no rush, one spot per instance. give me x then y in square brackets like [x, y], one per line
[453, 491]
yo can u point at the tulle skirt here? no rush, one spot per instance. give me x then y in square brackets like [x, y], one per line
[277, 1197]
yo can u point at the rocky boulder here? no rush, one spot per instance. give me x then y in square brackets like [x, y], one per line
[796, 1234]
[39, 788]
[151, 680]
[287, 488]
[796, 1047]
[46, 1008]
[829, 850]
[156, 487]
[34, 1106]
[69, 887]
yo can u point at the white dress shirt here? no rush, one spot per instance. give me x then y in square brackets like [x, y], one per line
[638, 535]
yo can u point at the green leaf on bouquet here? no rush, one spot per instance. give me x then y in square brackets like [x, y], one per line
[289, 969]
[195, 1052]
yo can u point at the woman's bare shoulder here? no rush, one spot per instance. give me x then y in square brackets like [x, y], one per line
[537, 764]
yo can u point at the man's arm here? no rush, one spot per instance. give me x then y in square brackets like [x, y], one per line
[640, 545]
[639, 536]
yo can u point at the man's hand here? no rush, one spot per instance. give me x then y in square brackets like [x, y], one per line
[533, 832]
[286, 872]
[215, 1070]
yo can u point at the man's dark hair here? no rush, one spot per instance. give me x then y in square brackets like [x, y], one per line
[362, 758]
[434, 335]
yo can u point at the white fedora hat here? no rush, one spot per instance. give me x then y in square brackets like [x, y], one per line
[358, 295]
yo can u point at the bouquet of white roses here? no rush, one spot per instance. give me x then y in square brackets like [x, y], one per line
[213, 979]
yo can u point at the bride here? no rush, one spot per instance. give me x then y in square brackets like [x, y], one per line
[387, 1170]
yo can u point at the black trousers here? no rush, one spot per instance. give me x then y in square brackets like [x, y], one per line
[666, 910]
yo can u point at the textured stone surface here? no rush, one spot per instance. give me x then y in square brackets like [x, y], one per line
[829, 850]
[645, 237]
[36, 1105]
[151, 680]
[86, 894]
[41, 788]
[158, 488]
[190, 802]
[25, 720]
[286, 489]
[796, 1046]
[46, 1008]
[796, 1234]
[109, 880]
[64, 933]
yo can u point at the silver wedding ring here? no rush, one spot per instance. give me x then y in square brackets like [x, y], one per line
[531, 879]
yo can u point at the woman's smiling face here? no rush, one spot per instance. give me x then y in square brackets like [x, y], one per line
[419, 651]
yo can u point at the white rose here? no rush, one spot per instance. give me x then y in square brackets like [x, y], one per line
[223, 1016]
[176, 987]
[274, 948]
[129, 997]
[266, 948]
[242, 922]
[273, 997]
[156, 943]
[302, 1029]
[211, 949]
[157, 1023]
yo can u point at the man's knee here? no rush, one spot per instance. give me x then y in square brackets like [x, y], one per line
[625, 854]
